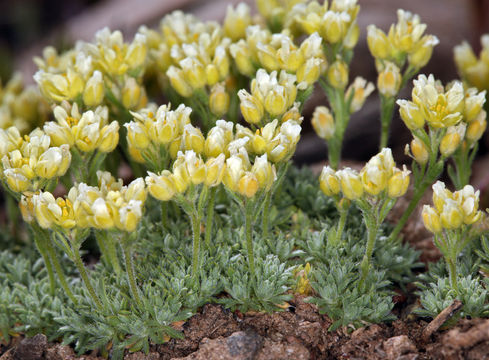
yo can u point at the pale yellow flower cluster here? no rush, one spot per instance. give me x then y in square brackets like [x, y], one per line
[335, 22]
[379, 176]
[87, 132]
[28, 162]
[474, 70]
[21, 106]
[453, 108]
[108, 205]
[275, 52]
[157, 132]
[451, 210]
[85, 71]
[271, 96]
[404, 41]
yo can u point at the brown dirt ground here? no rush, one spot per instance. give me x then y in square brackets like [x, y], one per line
[298, 333]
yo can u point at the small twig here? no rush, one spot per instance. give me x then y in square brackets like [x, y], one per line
[442, 317]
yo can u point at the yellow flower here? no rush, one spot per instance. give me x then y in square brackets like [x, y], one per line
[219, 100]
[264, 172]
[389, 80]
[251, 108]
[93, 94]
[248, 185]
[338, 74]
[431, 219]
[351, 183]
[452, 139]
[411, 114]
[476, 128]
[236, 21]
[378, 43]
[323, 122]
[329, 183]
[192, 139]
[179, 82]
[216, 167]
[398, 183]
[109, 137]
[358, 91]
[161, 186]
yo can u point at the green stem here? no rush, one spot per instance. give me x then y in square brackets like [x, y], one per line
[249, 235]
[452, 271]
[387, 109]
[210, 216]
[112, 254]
[41, 247]
[84, 275]
[372, 229]
[432, 173]
[341, 225]
[266, 214]
[164, 215]
[130, 273]
[59, 271]
[196, 243]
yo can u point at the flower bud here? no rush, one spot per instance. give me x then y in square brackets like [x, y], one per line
[338, 74]
[102, 218]
[16, 180]
[129, 216]
[94, 90]
[194, 72]
[359, 91]
[267, 56]
[451, 217]
[219, 100]
[136, 51]
[136, 135]
[423, 51]
[193, 139]
[276, 101]
[251, 107]
[351, 184]
[452, 139]
[131, 94]
[378, 43]
[389, 80]
[196, 167]
[109, 136]
[374, 178]
[48, 162]
[335, 25]
[419, 151]
[329, 183]
[161, 186]
[308, 73]
[178, 81]
[216, 167]
[411, 114]
[431, 219]
[476, 128]
[323, 122]
[236, 21]
[474, 102]
[233, 172]
[248, 185]
[242, 56]
[264, 172]
[136, 191]
[398, 183]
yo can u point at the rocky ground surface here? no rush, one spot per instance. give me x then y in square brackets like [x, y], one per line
[297, 333]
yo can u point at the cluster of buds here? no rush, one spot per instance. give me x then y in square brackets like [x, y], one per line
[473, 70]
[277, 142]
[87, 132]
[336, 23]
[29, 161]
[275, 52]
[188, 169]
[270, 97]
[451, 210]
[236, 21]
[83, 73]
[245, 179]
[276, 12]
[108, 205]
[21, 106]
[379, 176]
[454, 110]
[404, 41]
[155, 133]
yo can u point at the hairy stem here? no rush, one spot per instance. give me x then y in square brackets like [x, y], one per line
[130, 273]
[194, 219]
[372, 229]
[387, 109]
[210, 216]
[84, 275]
[266, 214]
[249, 235]
[164, 215]
[40, 242]
[452, 271]
[60, 273]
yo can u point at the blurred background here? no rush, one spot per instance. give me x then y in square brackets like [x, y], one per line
[27, 26]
